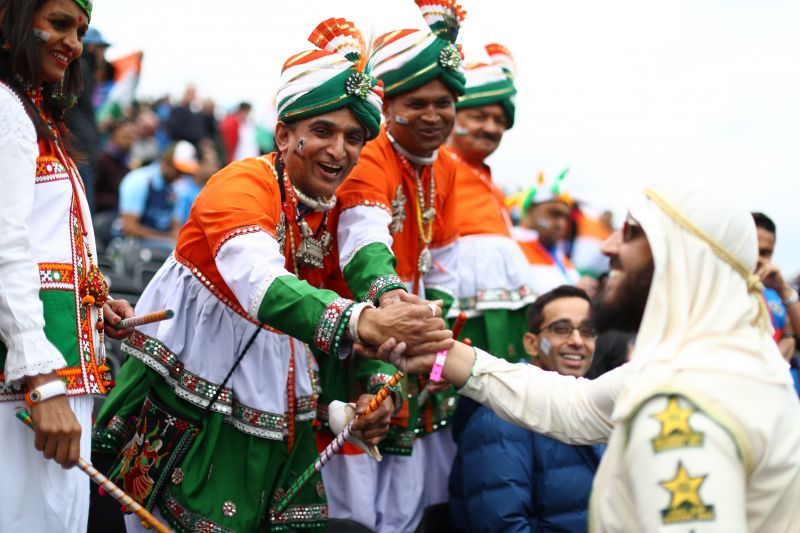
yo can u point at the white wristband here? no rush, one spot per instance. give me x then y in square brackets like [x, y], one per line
[792, 299]
[44, 392]
[355, 314]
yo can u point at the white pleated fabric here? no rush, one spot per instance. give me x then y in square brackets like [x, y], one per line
[493, 273]
[206, 336]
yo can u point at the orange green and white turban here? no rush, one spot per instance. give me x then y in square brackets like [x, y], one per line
[491, 83]
[408, 59]
[86, 6]
[333, 77]
[546, 191]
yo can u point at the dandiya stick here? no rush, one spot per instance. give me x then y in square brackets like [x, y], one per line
[336, 444]
[147, 318]
[148, 520]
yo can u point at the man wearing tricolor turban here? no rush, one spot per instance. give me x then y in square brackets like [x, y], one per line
[703, 425]
[494, 279]
[244, 280]
[397, 230]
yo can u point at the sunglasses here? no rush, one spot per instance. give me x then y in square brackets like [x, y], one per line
[631, 229]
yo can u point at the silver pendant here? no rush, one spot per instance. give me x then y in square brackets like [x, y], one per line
[398, 211]
[312, 251]
[425, 261]
[428, 215]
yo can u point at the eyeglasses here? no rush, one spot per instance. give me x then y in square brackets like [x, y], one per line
[564, 328]
[631, 229]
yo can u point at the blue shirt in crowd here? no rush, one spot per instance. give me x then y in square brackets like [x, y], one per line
[145, 194]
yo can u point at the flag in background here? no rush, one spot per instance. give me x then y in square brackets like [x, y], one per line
[115, 96]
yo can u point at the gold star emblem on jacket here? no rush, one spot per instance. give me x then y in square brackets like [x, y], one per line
[685, 504]
[675, 429]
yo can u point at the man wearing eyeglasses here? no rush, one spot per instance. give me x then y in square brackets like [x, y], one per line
[508, 478]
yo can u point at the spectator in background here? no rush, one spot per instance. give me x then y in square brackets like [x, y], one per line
[81, 118]
[545, 215]
[189, 186]
[145, 149]
[183, 124]
[239, 134]
[780, 297]
[508, 478]
[113, 164]
[147, 198]
[208, 114]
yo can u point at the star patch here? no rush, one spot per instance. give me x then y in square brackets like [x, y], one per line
[675, 429]
[685, 504]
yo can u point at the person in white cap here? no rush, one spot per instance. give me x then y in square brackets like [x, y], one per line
[703, 426]
[147, 198]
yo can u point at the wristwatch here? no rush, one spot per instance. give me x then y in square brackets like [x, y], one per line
[44, 392]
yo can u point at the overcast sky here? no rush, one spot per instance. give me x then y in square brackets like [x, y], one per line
[622, 92]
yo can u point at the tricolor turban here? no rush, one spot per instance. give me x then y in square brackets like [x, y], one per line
[333, 77]
[86, 6]
[491, 83]
[408, 59]
[554, 191]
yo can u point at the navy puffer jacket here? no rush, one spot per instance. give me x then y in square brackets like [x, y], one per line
[506, 478]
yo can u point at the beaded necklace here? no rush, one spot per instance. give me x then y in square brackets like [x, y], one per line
[426, 213]
[92, 285]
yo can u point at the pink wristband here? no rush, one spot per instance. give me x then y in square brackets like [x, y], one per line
[438, 366]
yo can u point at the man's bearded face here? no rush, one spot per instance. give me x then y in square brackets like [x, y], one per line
[621, 304]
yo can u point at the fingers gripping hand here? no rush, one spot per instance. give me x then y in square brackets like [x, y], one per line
[374, 426]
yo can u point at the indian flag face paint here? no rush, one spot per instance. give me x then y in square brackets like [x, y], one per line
[41, 36]
[546, 346]
[401, 120]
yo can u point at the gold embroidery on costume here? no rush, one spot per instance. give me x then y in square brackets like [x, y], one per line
[675, 429]
[685, 504]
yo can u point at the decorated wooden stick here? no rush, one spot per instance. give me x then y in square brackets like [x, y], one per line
[148, 520]
[148, 318]
[336, 444]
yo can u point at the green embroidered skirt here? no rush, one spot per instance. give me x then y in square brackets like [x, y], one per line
[228, 480]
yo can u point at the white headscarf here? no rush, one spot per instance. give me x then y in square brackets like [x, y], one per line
[705, 309]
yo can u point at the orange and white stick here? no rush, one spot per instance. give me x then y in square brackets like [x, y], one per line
[148, 318]
[148, 520]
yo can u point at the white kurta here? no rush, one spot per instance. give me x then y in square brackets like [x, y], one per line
[744, 477]
[36, 494]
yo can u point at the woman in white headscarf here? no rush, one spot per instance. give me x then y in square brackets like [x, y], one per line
[703, 425]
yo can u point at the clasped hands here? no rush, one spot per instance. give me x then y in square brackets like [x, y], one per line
[406, 318]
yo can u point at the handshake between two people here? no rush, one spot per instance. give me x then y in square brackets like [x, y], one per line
[408, 319]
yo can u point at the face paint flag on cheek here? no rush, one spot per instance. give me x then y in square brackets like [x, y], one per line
[41, 35]
[544, 224]
[546, 347]
[461, 131]
[401, 120]
[301, 144]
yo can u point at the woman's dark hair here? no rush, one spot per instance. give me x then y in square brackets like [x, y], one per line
[21, 66]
